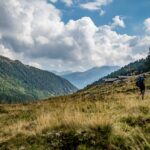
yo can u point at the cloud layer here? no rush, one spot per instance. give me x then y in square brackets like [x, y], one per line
[34, 32]
[95, 5]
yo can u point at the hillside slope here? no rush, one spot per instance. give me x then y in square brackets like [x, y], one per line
[100, 117]
[134, 68]
[21, 83]
[82, 79]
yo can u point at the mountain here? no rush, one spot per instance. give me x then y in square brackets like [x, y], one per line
[62, 73]
[134, 68]
[102, 117]
[82, 79]
[20, 83]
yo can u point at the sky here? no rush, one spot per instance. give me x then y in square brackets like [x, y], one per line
[74, 35]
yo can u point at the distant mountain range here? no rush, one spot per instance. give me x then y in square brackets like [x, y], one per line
[61, 73]
[20, 83]
[82, 79]
[134, 68]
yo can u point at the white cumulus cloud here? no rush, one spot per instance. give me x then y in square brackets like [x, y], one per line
[95, 5]
[34, 32]
[118, 22]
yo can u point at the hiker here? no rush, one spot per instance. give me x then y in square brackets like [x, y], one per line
[141, 85]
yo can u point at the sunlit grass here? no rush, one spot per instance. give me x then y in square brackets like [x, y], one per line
[119, 106]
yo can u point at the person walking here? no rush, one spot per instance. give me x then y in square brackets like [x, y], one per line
[140, 83]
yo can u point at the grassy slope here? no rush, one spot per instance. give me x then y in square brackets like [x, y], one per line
[99, 117]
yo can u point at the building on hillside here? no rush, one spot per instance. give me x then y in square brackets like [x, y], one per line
[123, 77]
[116, 80]
[110, 80]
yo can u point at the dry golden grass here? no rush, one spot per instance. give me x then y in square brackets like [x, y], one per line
[72, 114]
[80, 111]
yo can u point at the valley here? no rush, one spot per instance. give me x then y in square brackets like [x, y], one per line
[105, 116]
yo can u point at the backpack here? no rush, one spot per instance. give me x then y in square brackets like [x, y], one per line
[139, 81]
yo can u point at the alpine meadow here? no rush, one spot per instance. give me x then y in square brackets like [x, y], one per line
[74, 75]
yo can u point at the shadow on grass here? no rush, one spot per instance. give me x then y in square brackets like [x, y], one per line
[95, 138]
[136, 121]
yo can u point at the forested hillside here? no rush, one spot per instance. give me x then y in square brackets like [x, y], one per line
[134, 68]
[20, 83]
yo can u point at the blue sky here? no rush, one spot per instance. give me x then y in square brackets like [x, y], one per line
[74, 35]
[134, 13]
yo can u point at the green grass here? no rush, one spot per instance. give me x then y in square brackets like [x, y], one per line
[103, 117]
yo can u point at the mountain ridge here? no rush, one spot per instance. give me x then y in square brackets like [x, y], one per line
[133, 68]
[104, 116]
[82, 79]
[24, 83]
